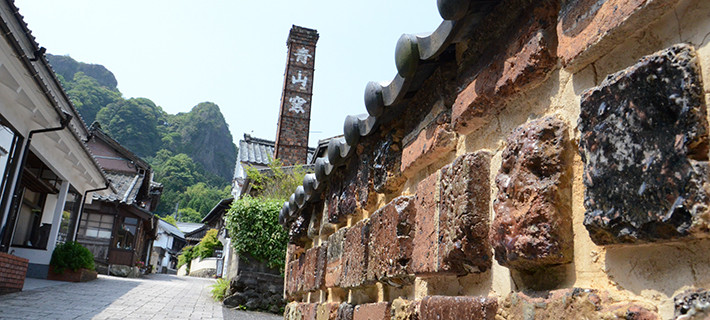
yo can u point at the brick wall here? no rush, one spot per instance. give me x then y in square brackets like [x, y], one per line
[554, 165]
[12, 273]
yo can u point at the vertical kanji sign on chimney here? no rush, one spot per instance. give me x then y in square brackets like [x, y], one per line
[295, 113]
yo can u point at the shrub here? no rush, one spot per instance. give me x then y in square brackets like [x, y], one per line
[253, 226]
[185, 257]
[207, 245]
[276, 183]
[73, 256]
[219, 289]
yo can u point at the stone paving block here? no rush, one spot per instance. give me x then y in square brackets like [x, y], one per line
[372, 311]
[533, 224]
[692, 304]
[390, 242]
[523, 62]
[457, 308]
[314, 268]
[334, 255]
[327, 311]
[588, 30]
[644, 145]
[464, 214]
[573, 303]
[355, 256]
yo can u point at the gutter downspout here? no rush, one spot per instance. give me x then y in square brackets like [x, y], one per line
[81, 209]
[11, 219]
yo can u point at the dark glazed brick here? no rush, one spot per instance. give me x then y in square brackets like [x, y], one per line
[457, 308]
[334, 255]
[533, 224]
[644, 144]
[693, 304]
[386, 174]
[391, 242]
[372, 311]
[463, 220]
[314, 269]
[298, 233]
[345, 311]
[355, 255]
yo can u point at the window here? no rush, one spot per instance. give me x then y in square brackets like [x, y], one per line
[96, 225]
[71, 210]
[28, 232]
[127, 233]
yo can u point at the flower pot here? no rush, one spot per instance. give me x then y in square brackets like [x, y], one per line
[81, 275]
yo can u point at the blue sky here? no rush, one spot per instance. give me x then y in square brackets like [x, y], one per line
[179, 53]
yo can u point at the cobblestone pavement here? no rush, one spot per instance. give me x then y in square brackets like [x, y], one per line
[152, 297]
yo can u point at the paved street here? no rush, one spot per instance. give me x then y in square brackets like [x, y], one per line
[152, 297]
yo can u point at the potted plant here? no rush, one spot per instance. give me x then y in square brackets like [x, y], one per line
[71, 262]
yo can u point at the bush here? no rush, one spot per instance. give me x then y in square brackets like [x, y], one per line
[207, 245]
[253, 226]
[185, 257]
[219, 289]
[73, 256]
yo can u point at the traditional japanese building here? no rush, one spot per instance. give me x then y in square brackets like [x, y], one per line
[46, 168]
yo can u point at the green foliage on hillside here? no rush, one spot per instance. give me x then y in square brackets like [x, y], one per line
[192, 153]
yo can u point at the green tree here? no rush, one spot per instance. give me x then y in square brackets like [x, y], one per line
[189, 215]
[133, 123]
[170, 220]
[202, 197]
[89, 97]
[278, 182]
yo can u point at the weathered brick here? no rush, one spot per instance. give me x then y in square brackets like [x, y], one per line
[294, 280]
[334, 261]
[588, 30]
[457, 308]
[644, 145]
[451, 231]
[372, 311]
[355, 256]
[404, 309]
[426, 235]
[432, 143]
[533, 225]
[390, 242]
[463, 219]
[386, 164]
[571, 304]
[327, 311]
[345, 311]
[314, 269]
[298, 233]
[300, 311]
[692, 304]
[349, 189]
[522, 63]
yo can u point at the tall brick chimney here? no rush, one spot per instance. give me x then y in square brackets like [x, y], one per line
[295, 112]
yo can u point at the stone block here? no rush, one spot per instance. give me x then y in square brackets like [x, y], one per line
[692, 304]
[355, 256]
[464, 214]
[404, 309]
[571, 304]
[432, 143]
[457, 308]
[426, 235]
[523, 62]
[533, 224]
[372, 311]
[314, 268]
[390, 242]
[644, 145]
[327, 311]
[588, 30]
[349, 189]
[294, 280]
[334, 255]
[300, 311]
[386, 164]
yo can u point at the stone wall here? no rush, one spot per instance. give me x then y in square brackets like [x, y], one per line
[553, 164]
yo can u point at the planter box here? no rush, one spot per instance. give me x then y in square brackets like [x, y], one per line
[12, 273]
[81, 275]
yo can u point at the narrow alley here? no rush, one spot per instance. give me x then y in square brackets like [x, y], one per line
[155, 296]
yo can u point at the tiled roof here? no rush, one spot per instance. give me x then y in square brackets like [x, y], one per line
[189, 227]
[255, 151]
[171, 228]
[126, 186]
[416, 58]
